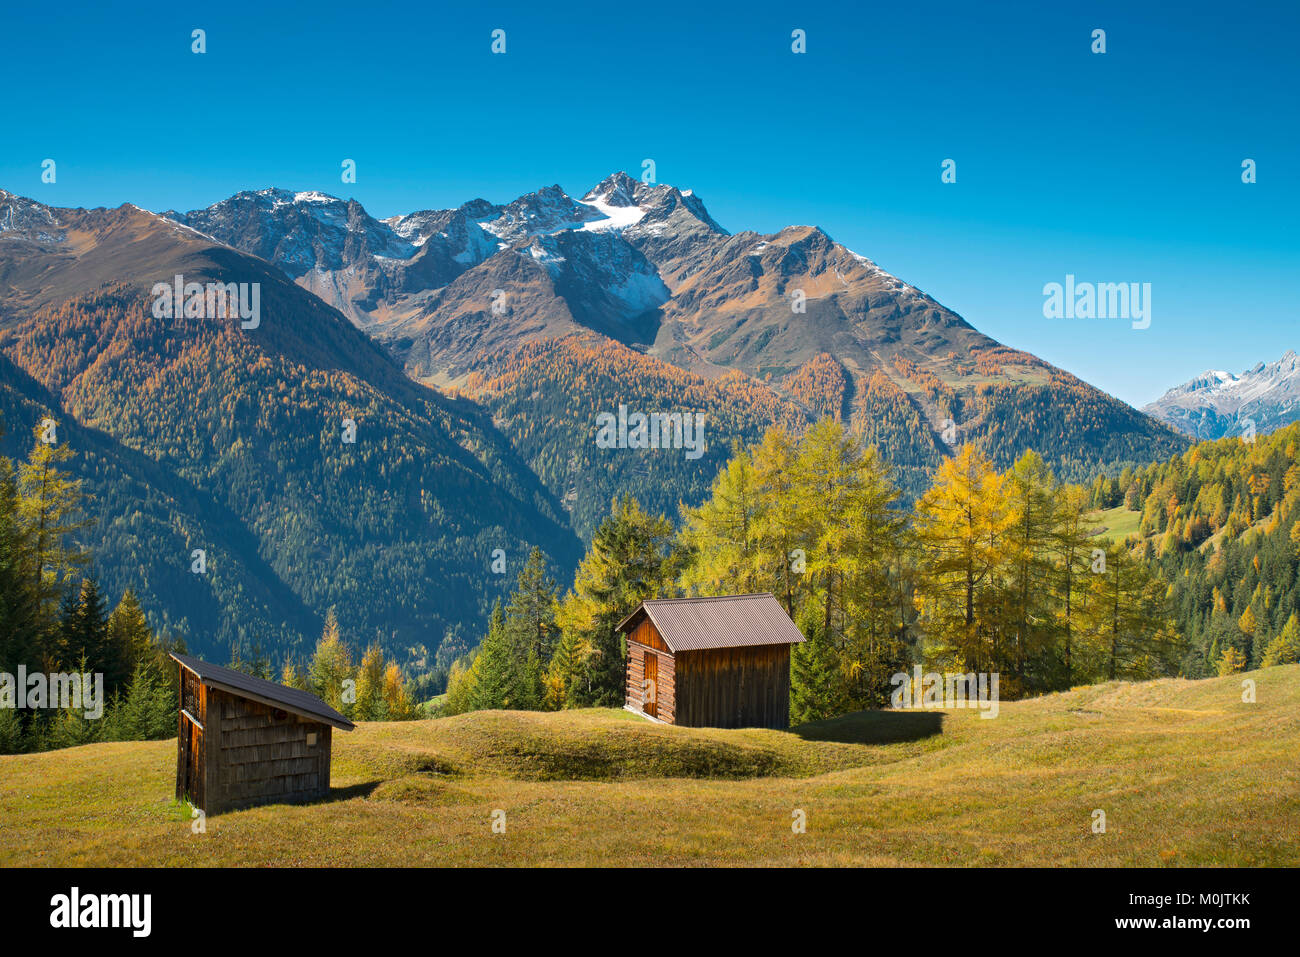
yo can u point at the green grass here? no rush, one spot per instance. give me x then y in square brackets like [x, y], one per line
[1117, 523]
[1186, 773]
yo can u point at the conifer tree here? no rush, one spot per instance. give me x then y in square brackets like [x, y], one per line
[1232, 662]
[398, 705]
[1130, 623]
[459, 697]
[370, 686]
[963, 520]
[569, 675]
[504, 675]
[148, 709]
[781, 520]
[331, 666]
[1285, 648]
[817, 686]
[1031, 494]
[722, 535]
[83, 634]
[19, 624]
[12, 739]
[294, 675]
[631, 558]
[530, 614]
[49, 509]
[1071, 542]
[128, 631]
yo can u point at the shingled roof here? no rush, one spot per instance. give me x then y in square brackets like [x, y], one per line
[302, 703]
[728, 621]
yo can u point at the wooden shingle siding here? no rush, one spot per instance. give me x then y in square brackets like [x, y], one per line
[243, 740]
[264, 755]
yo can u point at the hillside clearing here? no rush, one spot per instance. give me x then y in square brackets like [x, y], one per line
[1186, 773]
[1117, 523]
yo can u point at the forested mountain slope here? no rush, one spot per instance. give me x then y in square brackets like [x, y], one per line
[196, 433]
[1222, 523]
[643, 275]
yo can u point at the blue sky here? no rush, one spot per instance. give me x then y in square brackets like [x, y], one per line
[1119, 167]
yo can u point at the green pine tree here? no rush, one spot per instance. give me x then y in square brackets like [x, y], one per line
[1285, 648]
[631, 558]
[19, 625]
[817, 686]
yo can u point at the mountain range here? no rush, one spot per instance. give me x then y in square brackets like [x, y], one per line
[1215, 403]
[508, 304]
[192, 433]
[473, 348]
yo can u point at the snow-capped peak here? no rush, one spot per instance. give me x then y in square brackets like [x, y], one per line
[22, 218]
[616, 217]
[614, 198]
[618, 189]
[1216, 403]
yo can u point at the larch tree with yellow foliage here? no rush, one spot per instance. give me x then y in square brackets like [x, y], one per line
[963, 522]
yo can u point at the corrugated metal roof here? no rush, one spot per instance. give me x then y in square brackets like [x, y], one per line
[289, 699]
[728, 621]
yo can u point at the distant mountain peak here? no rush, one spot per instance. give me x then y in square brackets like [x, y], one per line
[23, 218]
[1217, 403]
[314, 196]
[617, 189]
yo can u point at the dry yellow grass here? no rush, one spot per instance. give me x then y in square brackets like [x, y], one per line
[1186, 773]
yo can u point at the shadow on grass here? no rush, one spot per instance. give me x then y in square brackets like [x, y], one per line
[362, 790]
[873, 727]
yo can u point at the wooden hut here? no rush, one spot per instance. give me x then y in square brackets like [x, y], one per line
[245, 741]
[711, 662]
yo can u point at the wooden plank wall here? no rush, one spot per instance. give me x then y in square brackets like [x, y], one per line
[264, 755]
[190, 751]
[647, 634]
[641, 642]
[734, 687]
[182, 753]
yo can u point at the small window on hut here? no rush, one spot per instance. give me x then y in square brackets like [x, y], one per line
[278, 715]
[311, 739]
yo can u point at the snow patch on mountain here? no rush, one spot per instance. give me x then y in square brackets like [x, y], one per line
[546, 256]
[546, 211]
[640, 292]
[616, 217]
[1217, 403]
[22, 218]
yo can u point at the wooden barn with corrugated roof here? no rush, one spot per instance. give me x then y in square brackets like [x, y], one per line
[711, 662]
[246, 741]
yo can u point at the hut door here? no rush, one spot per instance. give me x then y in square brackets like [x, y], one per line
[650, 689]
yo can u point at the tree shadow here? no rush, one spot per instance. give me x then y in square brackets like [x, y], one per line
[873, 727]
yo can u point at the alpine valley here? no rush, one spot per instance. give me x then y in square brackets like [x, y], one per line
[474, 349]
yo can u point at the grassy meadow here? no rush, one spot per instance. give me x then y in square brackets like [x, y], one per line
[1186, 773]
[1117, 523]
